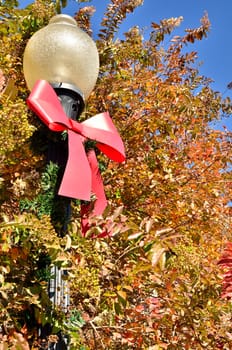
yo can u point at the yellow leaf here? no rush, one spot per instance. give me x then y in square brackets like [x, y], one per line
[122, 294]
[156, 253]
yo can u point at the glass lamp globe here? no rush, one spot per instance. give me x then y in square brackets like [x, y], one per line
[62, 53]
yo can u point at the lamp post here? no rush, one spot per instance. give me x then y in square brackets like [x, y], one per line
[61, 63]
[67, 58]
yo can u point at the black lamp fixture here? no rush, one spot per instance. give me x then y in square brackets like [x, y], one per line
[66, 57]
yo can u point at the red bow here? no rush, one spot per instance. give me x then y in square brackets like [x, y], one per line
[81, 176]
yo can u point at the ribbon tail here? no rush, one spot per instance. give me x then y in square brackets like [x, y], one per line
[97, 185]
[76, 182]
[85, 225]
[97, 188]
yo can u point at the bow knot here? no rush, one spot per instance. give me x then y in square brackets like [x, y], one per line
[81, 176]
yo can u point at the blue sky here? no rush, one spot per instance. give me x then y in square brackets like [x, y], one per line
[214, 52]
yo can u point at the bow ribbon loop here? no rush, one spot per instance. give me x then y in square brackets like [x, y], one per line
[81, 176]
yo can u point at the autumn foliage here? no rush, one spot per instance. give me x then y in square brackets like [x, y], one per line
[157, 275]
[226, 262]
